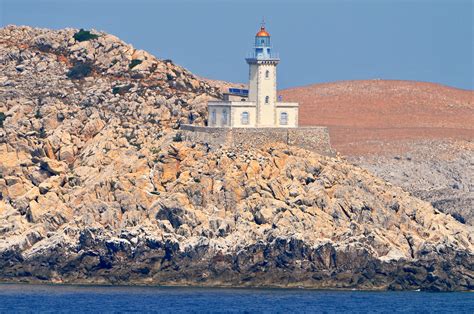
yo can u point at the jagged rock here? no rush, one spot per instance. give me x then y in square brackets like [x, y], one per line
[437, 171]
[67, 154]
[16, 190]
[92, 128]
[35, 211]
[48, 149]
[53, 166]
[32, 194]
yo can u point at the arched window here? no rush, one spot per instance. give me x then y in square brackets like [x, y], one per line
[283, 118]
[224, 117]
[213, 117]
[245, 118]
[267, 99]
[267, 74]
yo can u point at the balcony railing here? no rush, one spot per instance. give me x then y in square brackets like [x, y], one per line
[263, 56]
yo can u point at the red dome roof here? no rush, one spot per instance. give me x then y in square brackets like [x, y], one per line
[262, 32]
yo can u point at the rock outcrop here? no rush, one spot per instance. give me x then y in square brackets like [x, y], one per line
[439, 172]
[97, 186]
[416, 135]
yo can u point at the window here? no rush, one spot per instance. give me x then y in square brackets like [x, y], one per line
[245, 118]
[267, 74]
[213, 117]
[224, 117]
[267, 99]
[283, 118]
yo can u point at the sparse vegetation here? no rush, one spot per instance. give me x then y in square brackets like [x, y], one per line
[42, 132]
[38, 114]
[83, 35]
[80, 70]
[178, 137]
[154, 150]
[134, 63]
[191, 117]
[2, 118]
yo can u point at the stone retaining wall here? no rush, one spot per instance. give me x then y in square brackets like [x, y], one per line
[311, 138]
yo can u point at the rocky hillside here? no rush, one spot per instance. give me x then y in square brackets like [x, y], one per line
[438, 171]
[97, 186]
[415, 135]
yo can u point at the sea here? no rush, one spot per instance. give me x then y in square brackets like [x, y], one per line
[26, 298]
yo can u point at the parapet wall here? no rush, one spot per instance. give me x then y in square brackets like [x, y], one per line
[311, 138]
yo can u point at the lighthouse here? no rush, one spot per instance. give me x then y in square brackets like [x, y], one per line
[262, 78]
[259, 106]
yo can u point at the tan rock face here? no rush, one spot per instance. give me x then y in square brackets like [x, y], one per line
[48, 150]
[16, 190]
[66, 154]
[32, 194]
[35, 212]
[93, 127]
[99, 182]
[53, 166]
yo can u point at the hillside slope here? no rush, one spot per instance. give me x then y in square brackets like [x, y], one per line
[419, 136]
[98, 187]
[364, 116]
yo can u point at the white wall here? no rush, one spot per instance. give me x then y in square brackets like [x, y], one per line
[260, 87]
[237, 116]
[292, 116]
[253, 82]
[220, 110]
[234, 112]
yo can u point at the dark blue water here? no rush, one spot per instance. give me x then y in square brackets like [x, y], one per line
[51, 299]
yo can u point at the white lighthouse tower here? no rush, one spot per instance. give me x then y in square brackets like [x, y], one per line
[258, 106]
[262, 79]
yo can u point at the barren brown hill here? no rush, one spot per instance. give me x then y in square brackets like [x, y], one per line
[367, 116]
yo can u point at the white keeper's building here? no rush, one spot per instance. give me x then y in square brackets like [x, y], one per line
[259, 106]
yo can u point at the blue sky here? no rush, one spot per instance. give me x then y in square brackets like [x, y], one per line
[318, 41]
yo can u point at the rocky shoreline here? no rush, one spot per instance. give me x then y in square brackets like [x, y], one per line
[227, 271]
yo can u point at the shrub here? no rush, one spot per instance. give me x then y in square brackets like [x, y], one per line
[38, 114]
[83, 35]
[154, 150]
[42, 132]
[134, 63]
[79, 71]
[191, 117]
[178, 137]
[2, 118]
